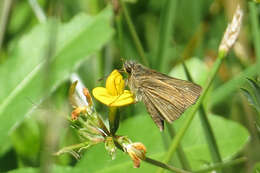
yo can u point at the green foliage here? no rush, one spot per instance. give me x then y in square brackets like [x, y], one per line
[257, 168]
[253, 94]
[90, 37]
[22, 78]
[56, 169]
[194, 144]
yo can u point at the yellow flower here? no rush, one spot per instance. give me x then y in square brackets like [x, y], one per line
[114, 94]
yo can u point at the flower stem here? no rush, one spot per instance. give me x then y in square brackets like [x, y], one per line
[113, 120]
[164, 166]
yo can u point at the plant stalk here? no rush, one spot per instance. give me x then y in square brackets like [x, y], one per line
[208, 132]
[167, 18]
[181, 132]
[165, 166]
[134, 35]
[255, 30]
[113, 120]
[180, 152]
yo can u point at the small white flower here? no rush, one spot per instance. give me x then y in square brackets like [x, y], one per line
[232, 31]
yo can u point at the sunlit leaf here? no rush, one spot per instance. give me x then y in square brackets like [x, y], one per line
[257, 168]
[26, 77]
[231, 138]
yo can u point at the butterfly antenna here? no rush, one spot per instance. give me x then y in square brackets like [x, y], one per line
[121, 70]
[101, 79]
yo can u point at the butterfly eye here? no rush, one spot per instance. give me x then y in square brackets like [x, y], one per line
[128, 69]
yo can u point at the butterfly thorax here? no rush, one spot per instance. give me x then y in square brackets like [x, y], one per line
[135, 71]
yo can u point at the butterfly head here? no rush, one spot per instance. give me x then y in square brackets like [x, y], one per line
[129, 66]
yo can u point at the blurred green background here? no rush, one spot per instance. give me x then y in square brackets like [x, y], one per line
[43, 42]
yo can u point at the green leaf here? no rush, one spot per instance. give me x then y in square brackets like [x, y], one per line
[197, 68]
[252, 94]
[25, 170]
[257, 168]
[24, 76]
[55, 168]
[256, 90]
[231, 138]
[224, 91]
[27, 134]
[249, 97]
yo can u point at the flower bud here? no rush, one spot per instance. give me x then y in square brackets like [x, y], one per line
[137, 152]
[232, 32]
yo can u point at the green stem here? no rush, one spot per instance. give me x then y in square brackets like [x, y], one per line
[120, 34]
[255, 29]
[164, 166]
[113, 120]
[181, 132]
[208, 132]
[6, 9]
[136, 39]
[168, 14]
[180, 152]
[222, 165]
[212, 144]
[39, 13]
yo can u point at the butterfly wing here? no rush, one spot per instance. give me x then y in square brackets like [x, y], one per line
[153, 111]
[166, 98]
[189, 90]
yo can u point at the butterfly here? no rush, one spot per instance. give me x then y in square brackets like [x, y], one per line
[165, 97]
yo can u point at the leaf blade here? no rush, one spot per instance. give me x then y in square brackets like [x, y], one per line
[28, 78]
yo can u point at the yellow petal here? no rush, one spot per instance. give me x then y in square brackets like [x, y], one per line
[124, 99]
[103, 95]
[115, 83]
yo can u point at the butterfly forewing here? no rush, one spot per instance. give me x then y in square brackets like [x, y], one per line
[189, 90]
[155, 114]
[166, 98]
